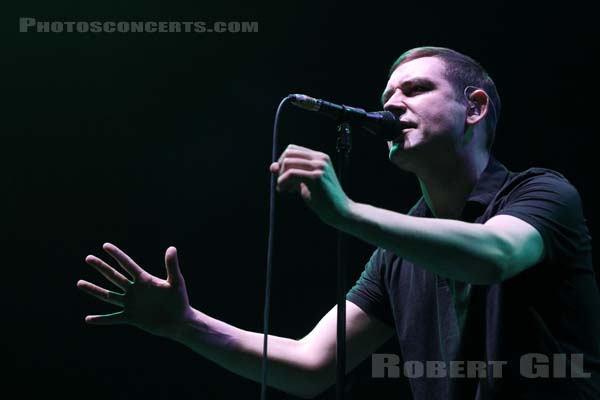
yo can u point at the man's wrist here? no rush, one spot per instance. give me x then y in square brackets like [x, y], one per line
[349, 218]
[186, 326]
[199, 331]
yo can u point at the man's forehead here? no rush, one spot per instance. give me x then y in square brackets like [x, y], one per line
[424, 68]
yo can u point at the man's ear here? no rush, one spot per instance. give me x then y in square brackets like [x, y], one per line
[478, 105]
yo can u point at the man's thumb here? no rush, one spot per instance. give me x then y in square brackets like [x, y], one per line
[172, 264]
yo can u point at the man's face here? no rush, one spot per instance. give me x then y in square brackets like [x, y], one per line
[420, 95]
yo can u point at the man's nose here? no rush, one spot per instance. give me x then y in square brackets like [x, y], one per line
[395, 104]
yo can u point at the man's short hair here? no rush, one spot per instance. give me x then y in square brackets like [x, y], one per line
[461, 71]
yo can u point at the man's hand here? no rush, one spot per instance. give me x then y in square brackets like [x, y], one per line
[155, 305]
[311, 173]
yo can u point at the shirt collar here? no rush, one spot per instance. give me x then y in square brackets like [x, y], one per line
[491, 180]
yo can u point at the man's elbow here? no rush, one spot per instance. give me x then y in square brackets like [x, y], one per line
[512, 249]
[499, 273]
[505, 263]
[494, 265]
[317, 374]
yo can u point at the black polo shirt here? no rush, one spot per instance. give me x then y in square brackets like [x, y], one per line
[550, 310]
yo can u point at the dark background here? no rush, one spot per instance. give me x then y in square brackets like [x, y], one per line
[152, 140]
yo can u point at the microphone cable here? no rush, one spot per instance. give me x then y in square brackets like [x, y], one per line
[270, 246]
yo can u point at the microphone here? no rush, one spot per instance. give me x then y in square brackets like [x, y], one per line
[383, 124]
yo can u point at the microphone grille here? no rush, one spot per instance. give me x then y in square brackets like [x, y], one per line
[306, 102]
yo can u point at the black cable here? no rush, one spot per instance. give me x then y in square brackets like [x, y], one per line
[271, 240]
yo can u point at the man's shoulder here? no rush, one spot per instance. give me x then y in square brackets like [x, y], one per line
[532, 172]
[538, 177]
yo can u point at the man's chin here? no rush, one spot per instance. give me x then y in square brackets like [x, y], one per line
[402, 157]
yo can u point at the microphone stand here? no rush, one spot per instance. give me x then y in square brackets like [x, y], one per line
[343, 147]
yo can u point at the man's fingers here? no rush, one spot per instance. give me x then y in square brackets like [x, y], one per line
[301, 163]
[174, 275]
[123, 259]
[305, 192]
[108, 272]
[312, 165]
[108, 319]
[296, 152]
[299, 148]
[290, 180]
[100, 293]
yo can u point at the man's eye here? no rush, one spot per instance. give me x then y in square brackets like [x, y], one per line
[418, 89]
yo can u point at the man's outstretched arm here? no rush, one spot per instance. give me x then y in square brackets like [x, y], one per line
[302, 367]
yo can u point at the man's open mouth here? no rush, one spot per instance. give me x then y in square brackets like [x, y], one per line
[400, 137]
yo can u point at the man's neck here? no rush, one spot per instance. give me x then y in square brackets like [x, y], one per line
[446, 186]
